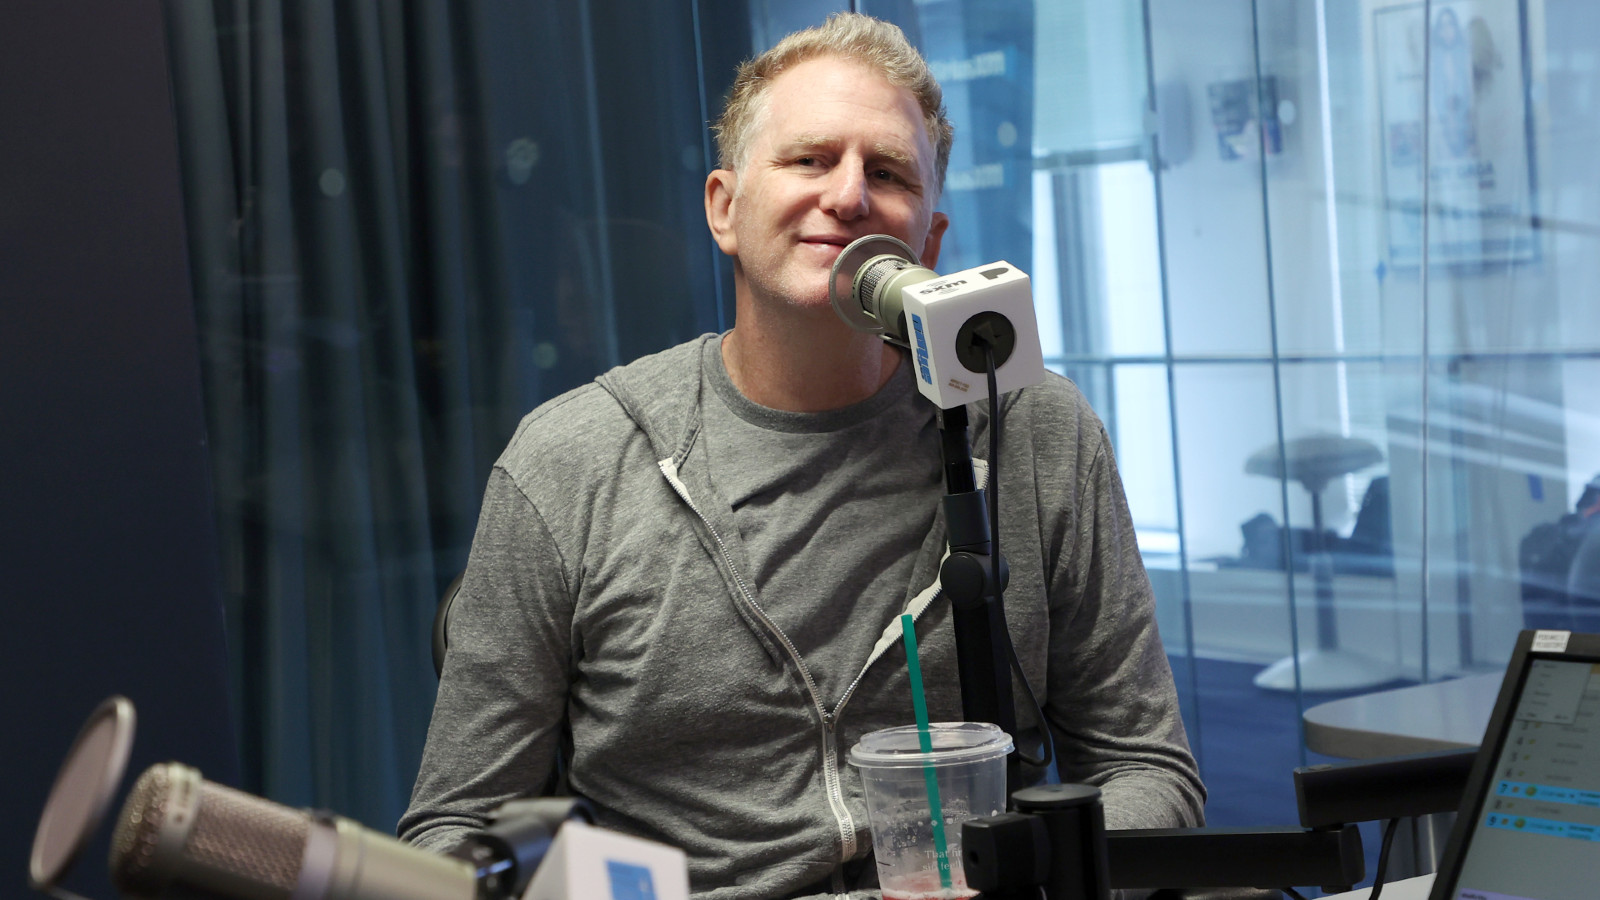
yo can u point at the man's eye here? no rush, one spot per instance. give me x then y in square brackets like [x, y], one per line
[806, 161]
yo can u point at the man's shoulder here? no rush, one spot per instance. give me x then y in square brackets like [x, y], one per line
[1056, 403]
[571, 416]
[647, 400]
[1059, 390]
[1053, 422]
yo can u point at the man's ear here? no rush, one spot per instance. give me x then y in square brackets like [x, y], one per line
[720, 186]
[930, 245]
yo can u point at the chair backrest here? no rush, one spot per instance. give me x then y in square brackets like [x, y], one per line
[441, 624]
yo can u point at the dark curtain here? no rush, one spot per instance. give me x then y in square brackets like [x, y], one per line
[402, 238]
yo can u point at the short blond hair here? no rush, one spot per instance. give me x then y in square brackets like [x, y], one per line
[879, 45]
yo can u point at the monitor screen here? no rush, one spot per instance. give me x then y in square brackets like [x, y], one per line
[1534, 826]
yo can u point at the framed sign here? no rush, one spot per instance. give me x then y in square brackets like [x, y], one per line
[1465, 127]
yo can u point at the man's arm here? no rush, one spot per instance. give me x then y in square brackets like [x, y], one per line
[1111, 702]
[502, 696]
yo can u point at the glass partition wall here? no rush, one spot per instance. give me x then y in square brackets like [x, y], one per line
[1324, 267]
[1340, 327]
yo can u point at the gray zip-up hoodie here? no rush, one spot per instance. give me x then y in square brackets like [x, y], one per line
[606, 588]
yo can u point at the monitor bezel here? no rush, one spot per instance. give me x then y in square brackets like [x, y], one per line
[1578, 647]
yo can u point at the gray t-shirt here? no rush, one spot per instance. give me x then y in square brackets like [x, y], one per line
[832, 508]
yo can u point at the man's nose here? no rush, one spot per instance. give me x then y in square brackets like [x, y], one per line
[846, 192]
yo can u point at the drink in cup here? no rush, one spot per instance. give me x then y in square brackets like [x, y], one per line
[968, 767]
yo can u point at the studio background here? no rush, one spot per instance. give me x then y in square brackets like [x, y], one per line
[281, 277]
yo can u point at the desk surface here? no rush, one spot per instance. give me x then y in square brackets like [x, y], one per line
[1443, 715]
[1409, 889]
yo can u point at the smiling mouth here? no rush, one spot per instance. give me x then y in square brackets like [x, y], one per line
[826, 247]
[837, 243]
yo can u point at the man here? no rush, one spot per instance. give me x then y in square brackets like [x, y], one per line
[698, 562]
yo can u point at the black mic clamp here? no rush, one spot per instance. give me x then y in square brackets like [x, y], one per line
[1056, 839]
[506, 854]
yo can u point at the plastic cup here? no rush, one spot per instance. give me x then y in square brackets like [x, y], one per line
[969, 761]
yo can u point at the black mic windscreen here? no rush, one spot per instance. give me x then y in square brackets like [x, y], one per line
[175, 823]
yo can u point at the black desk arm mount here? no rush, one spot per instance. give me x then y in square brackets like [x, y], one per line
[1057, 840]
[1398, 787]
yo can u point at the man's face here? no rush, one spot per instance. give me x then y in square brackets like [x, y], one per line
[840, 154]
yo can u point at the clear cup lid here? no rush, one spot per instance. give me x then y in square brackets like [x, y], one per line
[953, 743]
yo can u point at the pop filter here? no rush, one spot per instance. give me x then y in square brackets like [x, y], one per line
[82, 792]
[852, 261]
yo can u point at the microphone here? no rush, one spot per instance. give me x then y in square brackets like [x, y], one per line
[948, 322]
[182, 834]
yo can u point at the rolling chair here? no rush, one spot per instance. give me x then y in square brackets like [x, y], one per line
[441, 624]
[1314, 461]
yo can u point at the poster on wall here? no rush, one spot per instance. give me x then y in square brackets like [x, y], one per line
[1474, 141]
[1235, 113]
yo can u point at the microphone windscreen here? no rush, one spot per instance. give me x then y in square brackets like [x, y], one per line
[175, 823]
[869, 279]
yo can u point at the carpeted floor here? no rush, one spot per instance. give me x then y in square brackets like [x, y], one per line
[1248, 741]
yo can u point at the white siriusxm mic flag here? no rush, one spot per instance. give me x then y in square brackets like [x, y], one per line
[944, 312]
[588, 862]
[946, 321]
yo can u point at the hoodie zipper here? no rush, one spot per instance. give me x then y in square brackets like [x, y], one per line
[830, 750]
[918, 605]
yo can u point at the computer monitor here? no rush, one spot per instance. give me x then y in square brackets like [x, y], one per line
[1529, 821]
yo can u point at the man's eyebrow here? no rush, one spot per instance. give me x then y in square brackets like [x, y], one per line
[894, 155]
[810, 141]
[884, 152]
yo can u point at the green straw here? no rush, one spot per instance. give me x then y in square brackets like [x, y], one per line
[919, 704]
